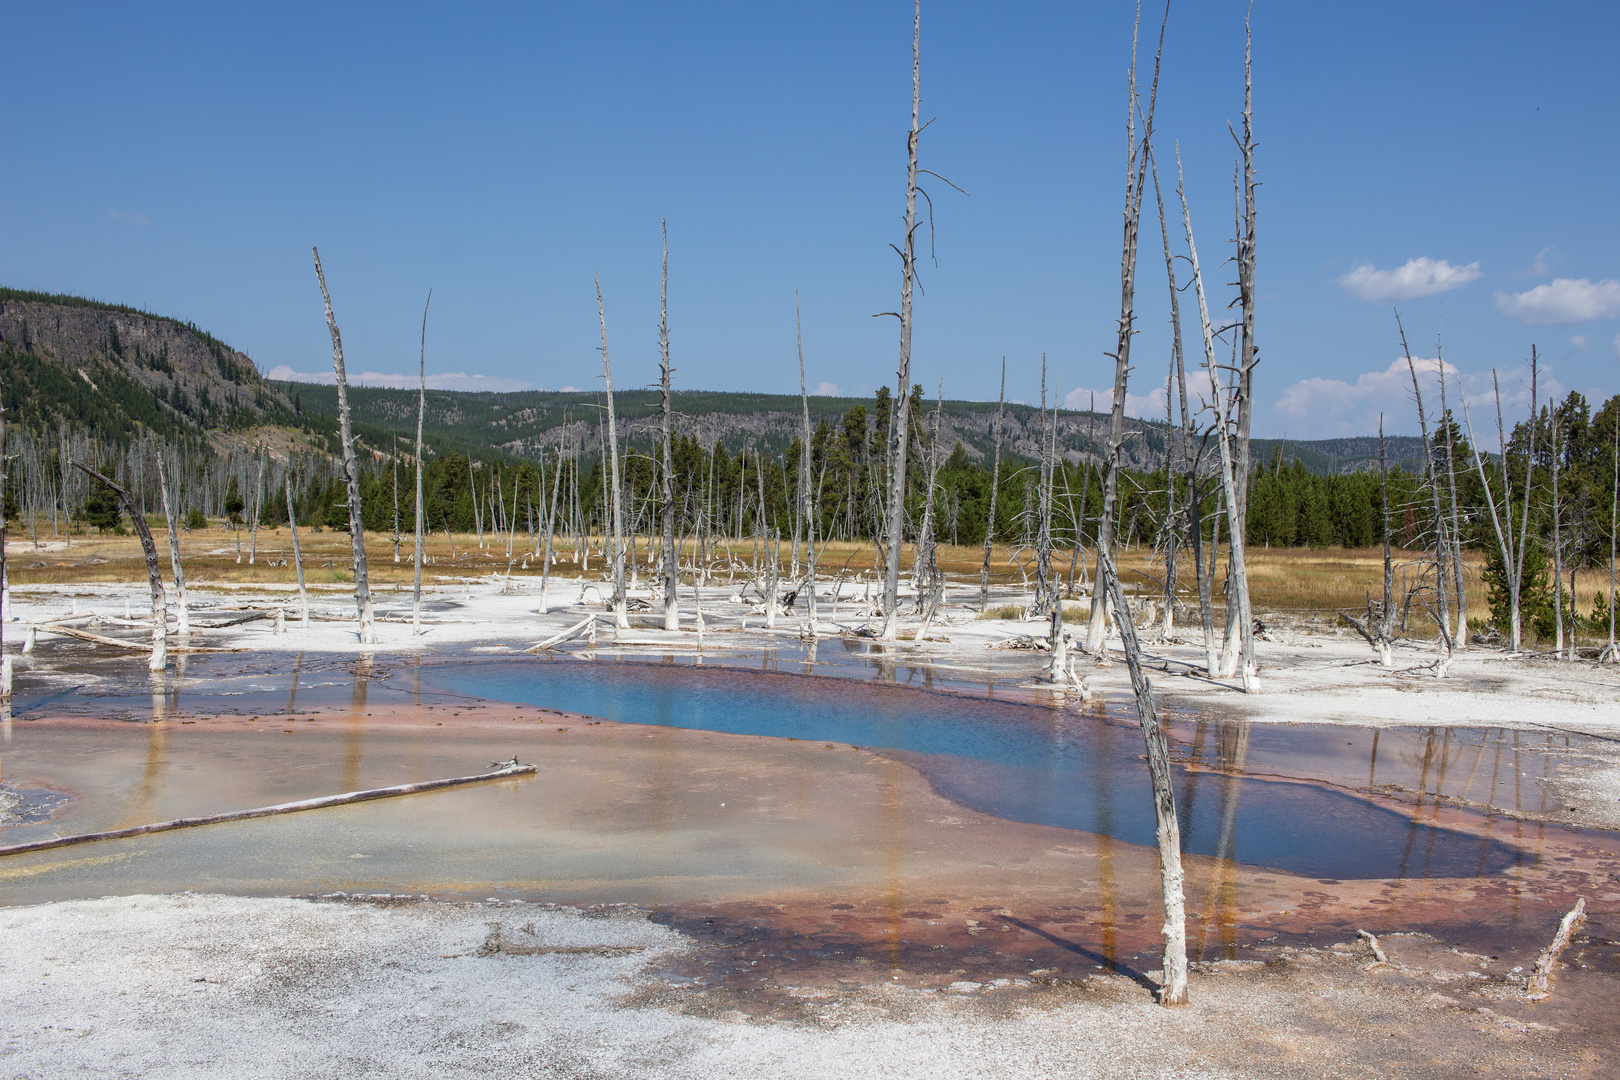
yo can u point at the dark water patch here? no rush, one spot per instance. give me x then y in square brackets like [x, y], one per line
[1025, 763]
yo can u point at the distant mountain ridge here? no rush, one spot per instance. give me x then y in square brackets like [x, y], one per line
[116, 371]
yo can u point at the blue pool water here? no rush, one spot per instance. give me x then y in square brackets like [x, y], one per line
[1021, 762]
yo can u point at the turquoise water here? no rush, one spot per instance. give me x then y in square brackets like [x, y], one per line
[1025, 762]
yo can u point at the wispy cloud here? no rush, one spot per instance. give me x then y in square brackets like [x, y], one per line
[448, 380]
[129, 217]
[1422, 276]
[1338, 407]
[1580, 344]
[1542, 264]
[1563, 301]
[827, 389]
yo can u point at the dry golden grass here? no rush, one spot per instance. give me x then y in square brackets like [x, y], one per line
[1296, 581]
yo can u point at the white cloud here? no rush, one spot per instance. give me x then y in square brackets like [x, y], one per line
[827, 389]
[448, 380]
[1422, 276]
[1579, 344]
[1563, 301]
[569, 390]
[1617, 344]
[129, 217]
[1326, 407]
[1149, 406]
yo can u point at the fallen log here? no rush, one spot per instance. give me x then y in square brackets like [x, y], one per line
[1535, 986]
[506, 769]
[99, 639]
[557, 639]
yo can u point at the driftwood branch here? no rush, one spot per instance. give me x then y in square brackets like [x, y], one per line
[321, 803]
[1536, 986]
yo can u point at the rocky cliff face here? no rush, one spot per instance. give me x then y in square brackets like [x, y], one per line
[99, 365]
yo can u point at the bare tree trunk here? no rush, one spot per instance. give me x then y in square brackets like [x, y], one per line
[1529, 485]
[621, 610]
[154, 572]
[1555, 422]
[351, 471]
[551, 520]
[1237, 574]
[1461, 636]
[672, 566]
[1386, 621]
[421, 414]
[1614, 534]
[924, 560]
[258, 496]
[298, 557]
[995, 484]
[1505, 541]
[1173, 990]
[182, 613]
[808, 503]
[1441, 608]
[1135, 175]
[900, 422]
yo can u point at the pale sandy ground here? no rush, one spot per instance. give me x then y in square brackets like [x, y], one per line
[209, 986]
[221, 986]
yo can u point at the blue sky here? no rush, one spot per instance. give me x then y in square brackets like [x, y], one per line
[1442, 157]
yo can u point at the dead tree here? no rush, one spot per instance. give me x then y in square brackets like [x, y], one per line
[1610, 654]
[258, 497]
[995, 484]
[1248, 357]
[808, 504]
[1460, 591]
[621, 609]
[1442, 618]
[154, 571]
[1508, 546]
[1190, 458]
[1554, 422]
[900, 422]
[1135, 175]
[351, 470]
[298, 557]
[182, 613]
[421, 414]
[672, 565]
[1237, 573]
[1173, 990]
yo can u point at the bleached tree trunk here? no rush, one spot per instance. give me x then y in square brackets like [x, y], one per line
[1502, 523]
[1461, 636]
[995, 484]
[1442, 610]
[551, 520]
[672, 565]
[298, 557]
[351, 471]
[621, 608]
[1135, 175]
[1614, 536]
[1555, 422]
[1237, 575]
[924, 560]
[258, 496]
[807, 503]
[900, 421]
[154, 572]
[182, 613]
[421, 414]
[1386, 617]
[1173, 990]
